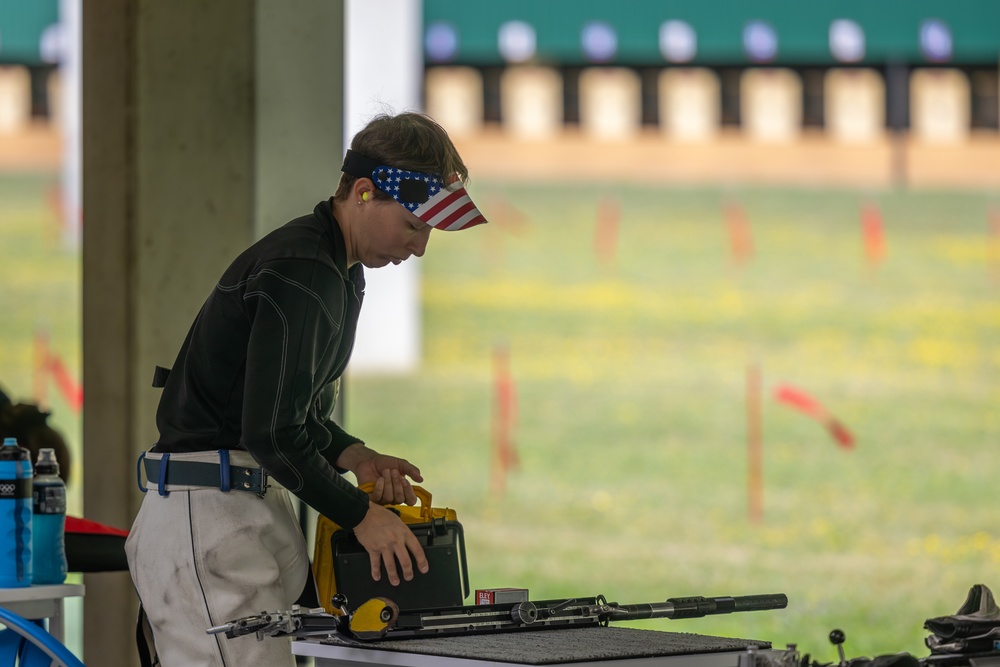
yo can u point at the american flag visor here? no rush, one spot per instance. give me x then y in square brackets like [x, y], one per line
[447, 207]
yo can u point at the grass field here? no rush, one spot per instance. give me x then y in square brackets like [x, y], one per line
[630, 379]
[631, 405]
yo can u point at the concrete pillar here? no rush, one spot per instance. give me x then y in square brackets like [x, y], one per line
[203, 125]
[453, 96]
[940, 101]
[771, 104]
[299, 93]
[854, 105]
[15, 99]
[531, 104]
[690, 103]
[610, 103]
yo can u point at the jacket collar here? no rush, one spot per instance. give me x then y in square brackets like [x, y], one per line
[334, 239]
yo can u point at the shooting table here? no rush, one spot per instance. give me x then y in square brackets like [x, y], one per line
[579, 647]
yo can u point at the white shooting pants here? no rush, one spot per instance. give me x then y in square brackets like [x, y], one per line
[200, 557]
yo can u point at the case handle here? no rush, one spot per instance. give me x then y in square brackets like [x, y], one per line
[423, 495]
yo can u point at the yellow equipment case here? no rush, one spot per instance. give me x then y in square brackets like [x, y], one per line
[341, 564]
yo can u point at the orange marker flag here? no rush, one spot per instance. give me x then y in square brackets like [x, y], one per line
[507, 221]
[507, 216]
[993, 250]
[740, 237]
[799, 400]
[71, 390]
[505, 457]
[609, 217]
[873, 233]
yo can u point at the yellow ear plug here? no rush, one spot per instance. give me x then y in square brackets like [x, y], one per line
[364, 196]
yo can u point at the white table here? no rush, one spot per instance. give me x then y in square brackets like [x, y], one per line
[41, 602]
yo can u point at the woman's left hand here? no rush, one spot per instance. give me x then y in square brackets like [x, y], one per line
[391, 488]
[389, 473]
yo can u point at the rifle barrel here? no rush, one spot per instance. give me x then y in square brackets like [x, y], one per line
[696, 607]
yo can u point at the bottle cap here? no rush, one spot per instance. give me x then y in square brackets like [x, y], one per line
[47, 464]
[12, 452]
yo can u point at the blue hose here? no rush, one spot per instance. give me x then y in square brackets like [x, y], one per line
[41, 639]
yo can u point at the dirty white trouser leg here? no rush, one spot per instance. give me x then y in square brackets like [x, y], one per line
[200, 558]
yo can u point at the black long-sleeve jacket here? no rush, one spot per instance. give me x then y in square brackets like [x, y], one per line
[258, 367]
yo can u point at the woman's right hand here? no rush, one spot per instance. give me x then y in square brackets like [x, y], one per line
[387, 539]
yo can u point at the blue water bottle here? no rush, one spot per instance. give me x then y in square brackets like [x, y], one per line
[48, 521]
[15, 515]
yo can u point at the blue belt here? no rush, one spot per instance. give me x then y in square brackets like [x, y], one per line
[222, 475]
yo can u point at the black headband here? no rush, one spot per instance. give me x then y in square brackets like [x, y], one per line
[359, 166]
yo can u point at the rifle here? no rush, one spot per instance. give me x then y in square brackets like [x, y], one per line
[380, 618]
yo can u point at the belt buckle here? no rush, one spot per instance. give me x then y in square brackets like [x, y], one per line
[248, 484]
[263, 483]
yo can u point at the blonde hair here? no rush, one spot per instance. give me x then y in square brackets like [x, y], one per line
[410, 141]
